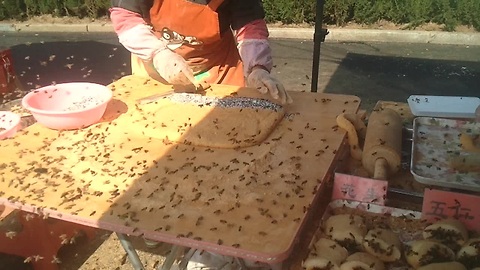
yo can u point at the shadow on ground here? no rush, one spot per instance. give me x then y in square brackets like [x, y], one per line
[373, 78]
[367, 75]
[41, 64]
[379, 70]
[376, 71]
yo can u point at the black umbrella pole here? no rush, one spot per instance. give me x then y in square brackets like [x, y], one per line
[318, 38]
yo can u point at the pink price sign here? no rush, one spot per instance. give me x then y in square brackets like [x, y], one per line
[355, 188]
[439, 204]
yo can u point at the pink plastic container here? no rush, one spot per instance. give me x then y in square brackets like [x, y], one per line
[68, 105]
[9, 124]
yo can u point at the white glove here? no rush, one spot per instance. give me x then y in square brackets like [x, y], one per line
[173, 68]
[264, 82]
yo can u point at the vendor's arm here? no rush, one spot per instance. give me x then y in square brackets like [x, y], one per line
[254, 47]
[129, 19]
[251, 33]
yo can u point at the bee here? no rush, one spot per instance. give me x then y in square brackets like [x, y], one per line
[11, 234]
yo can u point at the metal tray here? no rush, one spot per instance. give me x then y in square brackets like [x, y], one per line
[443, 106]
[436, 146]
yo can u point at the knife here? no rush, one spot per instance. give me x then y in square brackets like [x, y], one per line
[149, 99]
[153, 98]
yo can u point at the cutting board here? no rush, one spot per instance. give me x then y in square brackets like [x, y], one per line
[246, 202]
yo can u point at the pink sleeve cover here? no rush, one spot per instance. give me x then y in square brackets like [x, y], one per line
[254, 47]
[134, 33]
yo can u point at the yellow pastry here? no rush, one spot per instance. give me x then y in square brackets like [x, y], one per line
[347, 229]
[383, 244]
[468, 142]
[443, 266]
[330, 250]
[317, 263]
[469, 253]
[450, 232]
[361, 261]
[424, 252]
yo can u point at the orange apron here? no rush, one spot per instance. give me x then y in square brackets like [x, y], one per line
[193, 32]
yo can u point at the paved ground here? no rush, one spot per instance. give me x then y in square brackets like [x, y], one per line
[371, 70]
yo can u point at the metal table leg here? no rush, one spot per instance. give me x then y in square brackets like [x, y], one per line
[170, 259]
[186, 258]
[131, 252]
[242, 264]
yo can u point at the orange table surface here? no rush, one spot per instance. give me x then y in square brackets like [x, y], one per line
[247, 202]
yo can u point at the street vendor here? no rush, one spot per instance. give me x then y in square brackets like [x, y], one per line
[191, 41]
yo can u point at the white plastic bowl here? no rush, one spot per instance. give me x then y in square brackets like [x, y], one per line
[68, 105]
[9, 124]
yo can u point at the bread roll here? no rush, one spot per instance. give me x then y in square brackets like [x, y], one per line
[424, 252]
[355, 265]
[469, 143]
[469, 254]
[443, 266]
[330, 250]
[383, 244]
[450, 232]
[317, 263]
[347, 229]
[362, 260]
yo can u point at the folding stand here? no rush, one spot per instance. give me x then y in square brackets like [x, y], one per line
[318, 38]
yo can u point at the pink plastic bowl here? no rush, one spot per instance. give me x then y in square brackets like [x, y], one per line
[68, 105]
[9, 124]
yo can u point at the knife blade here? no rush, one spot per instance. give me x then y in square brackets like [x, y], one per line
[153, 98]
[201, 87]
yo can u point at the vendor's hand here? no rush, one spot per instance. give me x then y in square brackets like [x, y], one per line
[264, 82]
[173, 68]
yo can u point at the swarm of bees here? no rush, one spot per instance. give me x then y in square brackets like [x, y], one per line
[146, 186]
